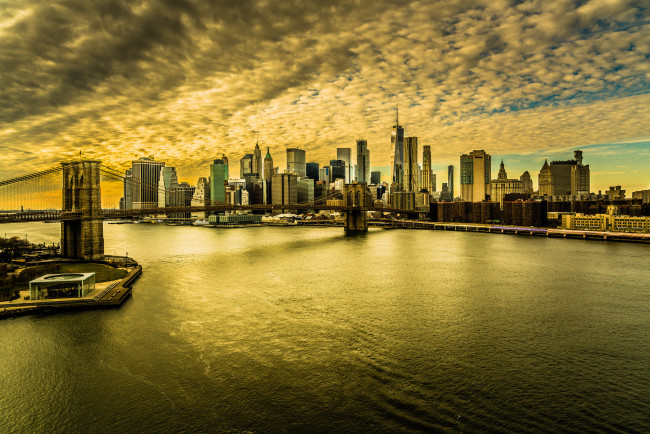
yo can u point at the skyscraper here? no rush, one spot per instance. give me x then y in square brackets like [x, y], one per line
[268, 165]
[526, 182]
[285, 190]
[296, 162]
[128, 189]
[579, 176]
[218, 182]
[397, 154]
[362, 160]
[312, 171]
[450, 180]
[168, 180]
[502, 186]
[475, 173]
[145, 178]
[410, 179]
[427, 175]
[257, 160]
[246, 165]
[375, 178]
[345, 154]
[337, 168]
[545, 180]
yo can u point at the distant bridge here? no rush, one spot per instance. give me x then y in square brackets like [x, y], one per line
[82, 216]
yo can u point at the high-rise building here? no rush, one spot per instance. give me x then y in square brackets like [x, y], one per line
[181, 195]
[145, 177]
[128, 189]
[345, 154]
[363, 160]
[427, 174]
[545, 181]
[257, 160]
[285, 190]
[168, 180]
[325, 174]
[450, 180]
[246, 165]
[434, 182]
[305, 190]
[526, 182]
[201, 196]
[475, 173]
[217, 182]
[375, 178]
[411, 164]
[312, 171]
[268, 165]
[337, 170]
[296, 162]
[579, 176]
[397, 153]
[445, 194]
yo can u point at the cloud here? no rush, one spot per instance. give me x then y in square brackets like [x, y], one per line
[186, 80]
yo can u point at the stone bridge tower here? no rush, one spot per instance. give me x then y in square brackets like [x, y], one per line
[82, 237]
[355, 195]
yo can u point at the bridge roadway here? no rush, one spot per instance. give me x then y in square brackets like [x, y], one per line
[35, 216]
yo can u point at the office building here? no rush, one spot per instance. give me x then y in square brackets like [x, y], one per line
[305, 190]
[475, 173]
[345, 154]
[410, 177]
[313, 171]
[450, 181]
[325, 174]
[363, 161]
[526, 183]
[167, 180]
[128, 190]
[181, 195]
[246, 165]
[434, 182]
[565, 177]
[397, 153]
[145, 177]
[257, 160]
[445, 195]
[268, 165]
[375, 178]
[337, 169]
[296, 162]
[201, 196]
[285, 190]
[427, 174]
[217, 182]
[615, 193]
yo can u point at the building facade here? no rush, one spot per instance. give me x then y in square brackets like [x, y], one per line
[268, 165]
[450, 180]
[363, 161]
[345, 154]
[217, 182]
[411, 169]
[427, 174]
[145, 178]
[297, 162]
[502, 186]
[284, 190]
[397, 153]
[475, 173]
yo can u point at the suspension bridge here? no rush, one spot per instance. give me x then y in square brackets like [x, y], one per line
[72, 193]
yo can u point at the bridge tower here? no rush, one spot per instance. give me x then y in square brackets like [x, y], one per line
[82, 237]
[355, 195]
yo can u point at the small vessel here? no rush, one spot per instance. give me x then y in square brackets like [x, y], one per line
[203, 222]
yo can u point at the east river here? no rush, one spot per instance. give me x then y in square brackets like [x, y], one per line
[309, 330]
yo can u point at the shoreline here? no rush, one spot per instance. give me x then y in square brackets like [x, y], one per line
[113, 296]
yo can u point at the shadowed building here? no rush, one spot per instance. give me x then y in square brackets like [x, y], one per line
[337, 168]
[410, 177]
[427, 175]
[246, 165]
[257, 160]
[268, 165]
[450, 181]
[285, 190]
[375, 178]
[217, 182]
[312, 171]
[526, 182]
[363, 161]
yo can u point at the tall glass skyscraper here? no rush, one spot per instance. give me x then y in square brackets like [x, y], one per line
[397, 154]
[296, 162]
[411, 175]
[363, 161]
[427, 177]
[218, 182]
[145, 178]
[475, 173]
[450, 180]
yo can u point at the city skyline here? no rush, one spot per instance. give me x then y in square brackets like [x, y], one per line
[188, 83]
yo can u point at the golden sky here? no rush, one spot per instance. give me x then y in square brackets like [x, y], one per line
[186, 80]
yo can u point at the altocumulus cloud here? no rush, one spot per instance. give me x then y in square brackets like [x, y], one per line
[185, 80]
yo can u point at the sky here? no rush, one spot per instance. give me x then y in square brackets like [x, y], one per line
[186, 81]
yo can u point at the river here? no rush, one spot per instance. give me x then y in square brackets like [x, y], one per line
[309, 330]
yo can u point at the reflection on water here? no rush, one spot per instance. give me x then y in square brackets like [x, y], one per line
[306, 329]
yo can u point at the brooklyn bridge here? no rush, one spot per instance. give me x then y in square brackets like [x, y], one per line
[76, 187]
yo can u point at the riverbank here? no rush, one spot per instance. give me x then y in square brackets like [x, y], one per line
[112, 294]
